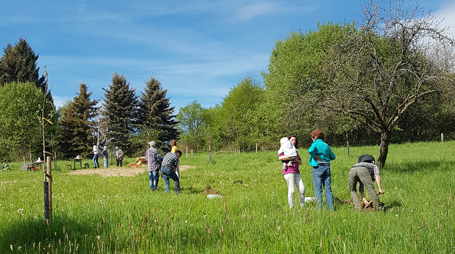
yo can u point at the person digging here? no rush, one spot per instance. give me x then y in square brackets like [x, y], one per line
[365, 172]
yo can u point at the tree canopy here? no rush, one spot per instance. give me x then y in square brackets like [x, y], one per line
[18, 64]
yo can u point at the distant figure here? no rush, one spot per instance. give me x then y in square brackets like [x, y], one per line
[105, 157]
[364, 173]
[95, 156]
[118, 156]
[320, 157]
[168, 168]
[174, 148]
[154, 165]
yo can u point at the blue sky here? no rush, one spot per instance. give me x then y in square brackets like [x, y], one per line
[198, 49]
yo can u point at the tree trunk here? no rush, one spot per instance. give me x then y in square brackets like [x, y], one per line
[383, 149]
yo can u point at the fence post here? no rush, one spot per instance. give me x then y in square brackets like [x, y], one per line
[210, 153]
[347, 143]
[256, 148]
[187, 152]
[442, 137]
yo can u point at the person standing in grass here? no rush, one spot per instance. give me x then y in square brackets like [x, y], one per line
[168, 168]
[105, 155]
[95, 156]
[174, 148]
[118, 156]
[154, 164]
[364, 173]
[292, 175]
[320, 157]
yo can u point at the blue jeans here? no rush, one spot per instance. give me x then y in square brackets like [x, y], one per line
[105, 162]
[167, 173]
[95, 161]
[322, 177]
[154, 177]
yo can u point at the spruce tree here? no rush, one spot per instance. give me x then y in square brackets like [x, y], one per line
[18, 64]
[155, 115]
[68, 123]
[85, 110]
[76, 124]
[120, 108]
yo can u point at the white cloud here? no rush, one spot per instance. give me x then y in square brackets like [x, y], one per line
[446, 14]
[248, 12]
[60, 101]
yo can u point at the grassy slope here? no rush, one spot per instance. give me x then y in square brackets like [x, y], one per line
[121, 215]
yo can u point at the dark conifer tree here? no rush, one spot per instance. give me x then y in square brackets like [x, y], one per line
[120, 108]
[68, 123]
[85, 109]
[155, 115]
[76, 124]
[18, 64]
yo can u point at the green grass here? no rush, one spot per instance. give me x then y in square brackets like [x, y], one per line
[92, 214]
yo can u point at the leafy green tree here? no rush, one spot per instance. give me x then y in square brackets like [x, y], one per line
[191, 125]
[213, 120]
[295, 71]
[120, 110]
[18, 64]
[20, 135]
[381, 72]
[237, 108]
[156, 118]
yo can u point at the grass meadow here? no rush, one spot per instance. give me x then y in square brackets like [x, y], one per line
[92, 214]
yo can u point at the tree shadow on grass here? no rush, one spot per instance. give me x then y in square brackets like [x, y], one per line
[29, 233]
[392, 205]
[191, 190]
[411, 167]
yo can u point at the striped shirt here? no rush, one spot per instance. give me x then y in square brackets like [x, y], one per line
[170, 160]
[153, 159]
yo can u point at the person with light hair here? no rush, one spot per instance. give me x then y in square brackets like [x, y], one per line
[105, 155]
[118, 156]
[154, 165]
[95, 156]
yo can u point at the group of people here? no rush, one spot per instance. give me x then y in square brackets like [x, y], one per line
[365, 172]
[169, 166]
[118, 156]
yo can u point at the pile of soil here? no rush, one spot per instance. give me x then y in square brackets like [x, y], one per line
[115, 171]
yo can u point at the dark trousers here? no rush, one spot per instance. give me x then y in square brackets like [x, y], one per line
[119, 163]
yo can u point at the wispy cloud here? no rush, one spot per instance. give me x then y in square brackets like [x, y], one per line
[247, 13]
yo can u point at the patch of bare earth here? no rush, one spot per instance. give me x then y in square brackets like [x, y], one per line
[114, 171]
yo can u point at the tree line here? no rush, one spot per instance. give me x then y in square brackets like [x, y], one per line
[123, 119]
[387, 78]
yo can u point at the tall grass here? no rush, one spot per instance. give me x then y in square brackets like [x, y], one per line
[92, 214]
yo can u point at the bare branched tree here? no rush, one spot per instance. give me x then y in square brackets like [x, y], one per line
[381, 71]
